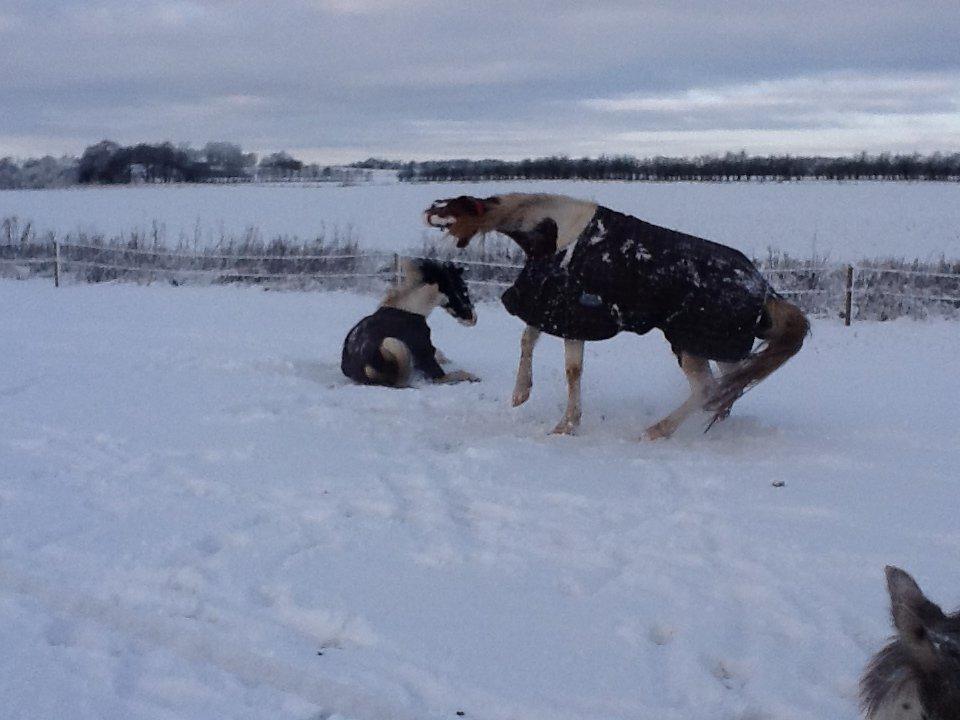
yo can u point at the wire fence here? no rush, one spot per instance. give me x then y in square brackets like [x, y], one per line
[877, 290]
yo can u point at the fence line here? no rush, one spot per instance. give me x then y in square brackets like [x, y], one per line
[493, 283]
[477, 263]
[225, 274]
[798, 270]
[802, 292]
[895, 271]
[931, 298]
[28, 261]
[204, 256]
[848, 281]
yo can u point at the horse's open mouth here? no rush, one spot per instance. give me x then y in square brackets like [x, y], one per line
[445, 223]
[438, 221]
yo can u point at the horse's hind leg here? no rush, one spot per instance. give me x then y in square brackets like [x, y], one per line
[573, 361]
[521, 390]
[701, 382]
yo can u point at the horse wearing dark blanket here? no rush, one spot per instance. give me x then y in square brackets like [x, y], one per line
[592, 272]
[392, 345]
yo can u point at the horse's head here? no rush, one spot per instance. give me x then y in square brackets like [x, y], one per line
[462, 217]
[452, 292]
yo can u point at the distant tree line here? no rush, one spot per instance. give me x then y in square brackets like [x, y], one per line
[36, 173]
[712, 168]
[378, 164]
[107, 162]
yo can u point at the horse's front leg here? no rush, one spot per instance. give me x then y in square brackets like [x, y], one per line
[573, 362]
[521, 390]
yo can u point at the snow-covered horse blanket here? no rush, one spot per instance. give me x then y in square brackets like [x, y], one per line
[622, 273]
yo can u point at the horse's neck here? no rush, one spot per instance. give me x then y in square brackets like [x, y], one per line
[421, 299]
[539, 241]
[525, 218]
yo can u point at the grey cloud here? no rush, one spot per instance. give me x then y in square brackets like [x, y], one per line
[429, 78]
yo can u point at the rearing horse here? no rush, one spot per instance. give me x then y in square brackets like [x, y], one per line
[591, 272]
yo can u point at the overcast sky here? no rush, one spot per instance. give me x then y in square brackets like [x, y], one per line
[340, 80]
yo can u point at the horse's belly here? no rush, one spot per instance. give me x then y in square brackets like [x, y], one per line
[574, 314]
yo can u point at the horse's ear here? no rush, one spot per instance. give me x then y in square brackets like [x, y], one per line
[905, 595]
[913, 615]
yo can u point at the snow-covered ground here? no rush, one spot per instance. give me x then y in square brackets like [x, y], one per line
[200, 518]
[846, 221]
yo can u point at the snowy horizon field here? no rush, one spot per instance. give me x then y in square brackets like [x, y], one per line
[200, 517]
[846, 221]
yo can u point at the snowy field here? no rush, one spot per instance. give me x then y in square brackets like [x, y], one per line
[845, 221]
[200, 519]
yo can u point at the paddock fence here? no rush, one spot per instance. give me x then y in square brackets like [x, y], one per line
[878, 290]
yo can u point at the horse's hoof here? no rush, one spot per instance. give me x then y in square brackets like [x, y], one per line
[656, 432]
[565, 427]
[520, 396]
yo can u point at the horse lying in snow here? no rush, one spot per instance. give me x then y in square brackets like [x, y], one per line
[393, 344]
[591, 272]
[917, 675]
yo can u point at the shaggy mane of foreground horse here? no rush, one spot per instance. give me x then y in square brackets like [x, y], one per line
[591, 272]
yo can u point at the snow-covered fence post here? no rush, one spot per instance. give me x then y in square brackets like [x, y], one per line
[56, 263]
[848, 296]
[396, 269]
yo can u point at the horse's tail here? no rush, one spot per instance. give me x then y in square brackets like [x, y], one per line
[783, 327]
